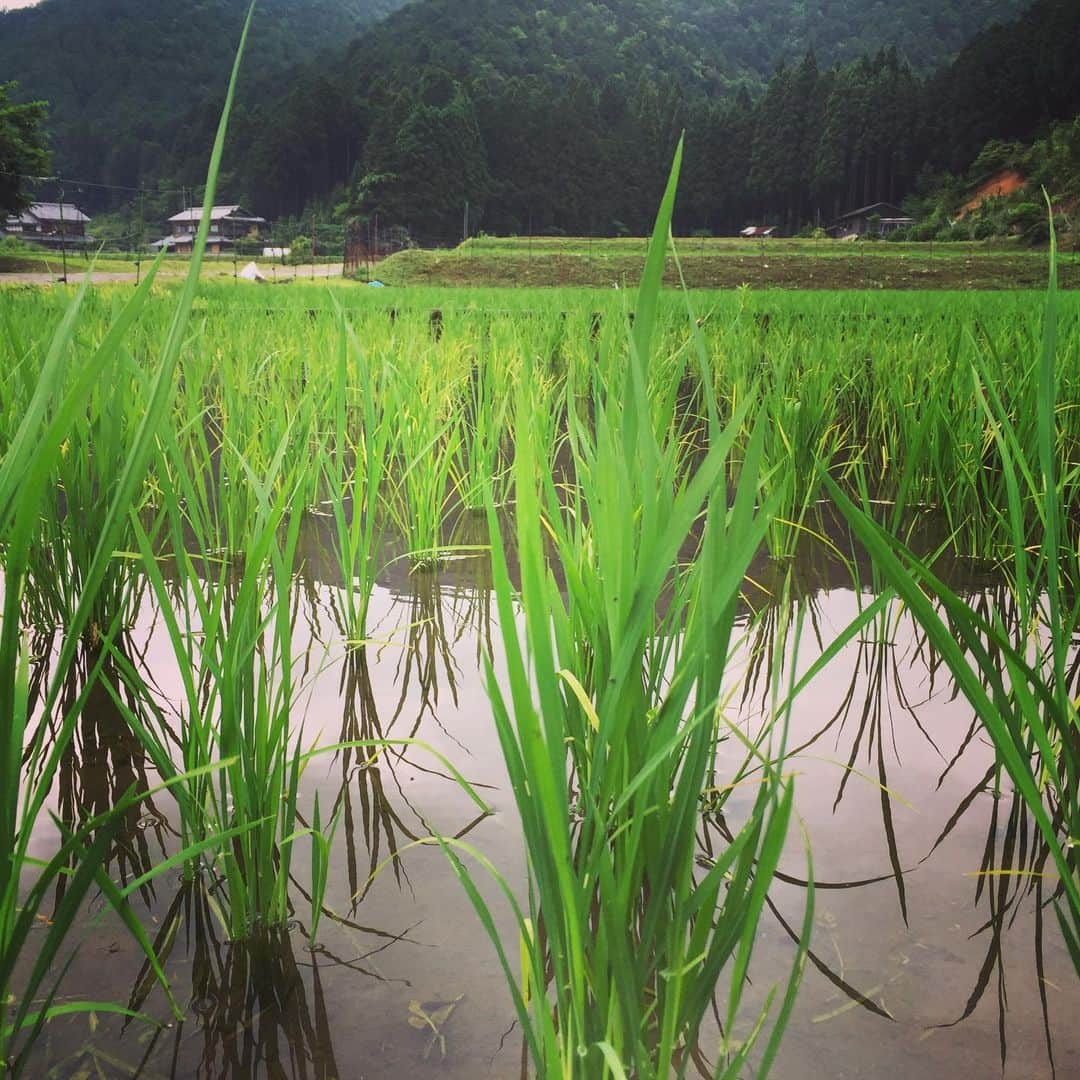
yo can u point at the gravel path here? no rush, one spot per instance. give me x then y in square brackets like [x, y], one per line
[284, 273]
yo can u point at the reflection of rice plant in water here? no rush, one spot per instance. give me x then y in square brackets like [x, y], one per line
[249, 997]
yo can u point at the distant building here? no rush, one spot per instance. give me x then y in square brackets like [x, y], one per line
[878, 218]
[758, 232]
[184, 243]
[48, 223]
[227, 225]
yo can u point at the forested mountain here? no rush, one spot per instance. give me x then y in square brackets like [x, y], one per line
[710, 43]
[757, 34]
[564, 118]
[1009, 81]
[120, 75]
[563, 115]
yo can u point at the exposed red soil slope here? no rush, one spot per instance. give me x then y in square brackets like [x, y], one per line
[1002, 183]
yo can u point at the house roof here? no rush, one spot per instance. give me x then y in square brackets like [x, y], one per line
[217, 213]
[187, 239]
[883, 209]
[22, 218]
[47, 211]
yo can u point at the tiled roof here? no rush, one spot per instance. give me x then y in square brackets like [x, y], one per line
[55, 211]
[217, 213]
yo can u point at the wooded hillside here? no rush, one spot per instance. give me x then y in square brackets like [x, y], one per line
[555, 117]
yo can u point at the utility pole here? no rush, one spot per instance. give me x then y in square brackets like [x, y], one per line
[139, 242]
[63, 236]
[465, 232]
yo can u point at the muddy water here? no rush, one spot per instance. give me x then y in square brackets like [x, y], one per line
[928, 944]
[928, 960]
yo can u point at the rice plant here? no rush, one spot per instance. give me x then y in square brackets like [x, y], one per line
[1022, 686]
[354, 472]
[230, 628]
[422, 476]
[609, 724]
[33, 457]
[482, 469]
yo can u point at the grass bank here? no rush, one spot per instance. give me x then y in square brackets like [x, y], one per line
[725, 265]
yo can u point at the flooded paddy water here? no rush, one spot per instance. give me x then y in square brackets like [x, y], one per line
[404, 783]
[933, 952]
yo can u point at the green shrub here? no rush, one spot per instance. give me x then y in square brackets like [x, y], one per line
[1030, 222]
[953, 232]
[300, 251]
[13, 245]
[924, 230]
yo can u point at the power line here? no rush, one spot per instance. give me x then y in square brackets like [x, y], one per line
[67, 180]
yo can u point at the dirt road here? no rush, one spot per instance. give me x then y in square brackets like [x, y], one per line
[273, 273]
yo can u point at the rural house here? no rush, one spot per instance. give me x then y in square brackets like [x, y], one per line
[227, 225]
[877, 219]
[48, 223]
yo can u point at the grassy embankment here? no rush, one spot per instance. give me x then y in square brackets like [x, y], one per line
[727, 263]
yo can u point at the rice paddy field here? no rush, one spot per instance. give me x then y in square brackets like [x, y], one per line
[560, 683]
